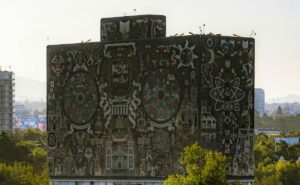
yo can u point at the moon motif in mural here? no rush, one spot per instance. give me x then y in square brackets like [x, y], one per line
[161, 95]
[80, 98]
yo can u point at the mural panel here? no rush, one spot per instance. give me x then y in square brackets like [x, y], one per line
[133, 27]
[161, 95]
[128, 108]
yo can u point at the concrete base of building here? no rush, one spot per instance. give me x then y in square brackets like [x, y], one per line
[124, 181]
[105, 182]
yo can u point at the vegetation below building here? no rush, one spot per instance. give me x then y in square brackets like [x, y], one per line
[282, 123]
[23, 159]
[276, 164]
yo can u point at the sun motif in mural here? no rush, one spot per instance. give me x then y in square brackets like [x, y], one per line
[227, 94]
[161, 95]
[80, 98]
[186, 55]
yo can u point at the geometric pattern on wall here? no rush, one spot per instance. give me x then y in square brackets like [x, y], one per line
[128, 106]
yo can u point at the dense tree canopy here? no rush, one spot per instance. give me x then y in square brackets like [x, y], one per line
[21, 174]
[10, 150]
[205, 167]
[283, 123]
[202, 167]
[23, 159]
[270, 170]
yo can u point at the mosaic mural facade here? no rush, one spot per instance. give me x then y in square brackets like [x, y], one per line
[129, 105]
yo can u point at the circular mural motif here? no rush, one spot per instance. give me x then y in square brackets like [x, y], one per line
[51, 139]
[161, 95]
[80, 98]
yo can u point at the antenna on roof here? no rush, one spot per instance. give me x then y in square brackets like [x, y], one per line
[252, 33]
[134, 11]
[201, 28]
[47, 38]
[204, 29]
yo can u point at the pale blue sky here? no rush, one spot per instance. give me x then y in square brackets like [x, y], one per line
[25, 25]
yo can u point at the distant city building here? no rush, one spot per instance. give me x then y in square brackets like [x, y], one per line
[23, 120]
[19, 110]
[37, 122]
[42, 122]
[259, 101]
[7, 87]
[288, 140]
[268, 132]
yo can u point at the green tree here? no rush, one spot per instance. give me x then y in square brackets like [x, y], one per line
[202, 166]
[294, 152]
[10, 151]
[21, 174]
[264, 150]
[284, 123]
[23, 159]
[288, 172]
[280, 173]
[34, 135]
[269, 169]
[282, 149]
[39, 158]
[279, 112]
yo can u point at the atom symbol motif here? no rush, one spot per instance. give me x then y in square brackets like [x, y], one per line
[227, 94]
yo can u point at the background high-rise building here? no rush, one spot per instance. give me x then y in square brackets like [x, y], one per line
[260, 101]
[7, 99]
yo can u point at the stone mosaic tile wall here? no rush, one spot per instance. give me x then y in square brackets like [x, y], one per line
[129, 107]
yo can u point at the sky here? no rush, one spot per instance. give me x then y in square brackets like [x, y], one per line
[28, 26]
